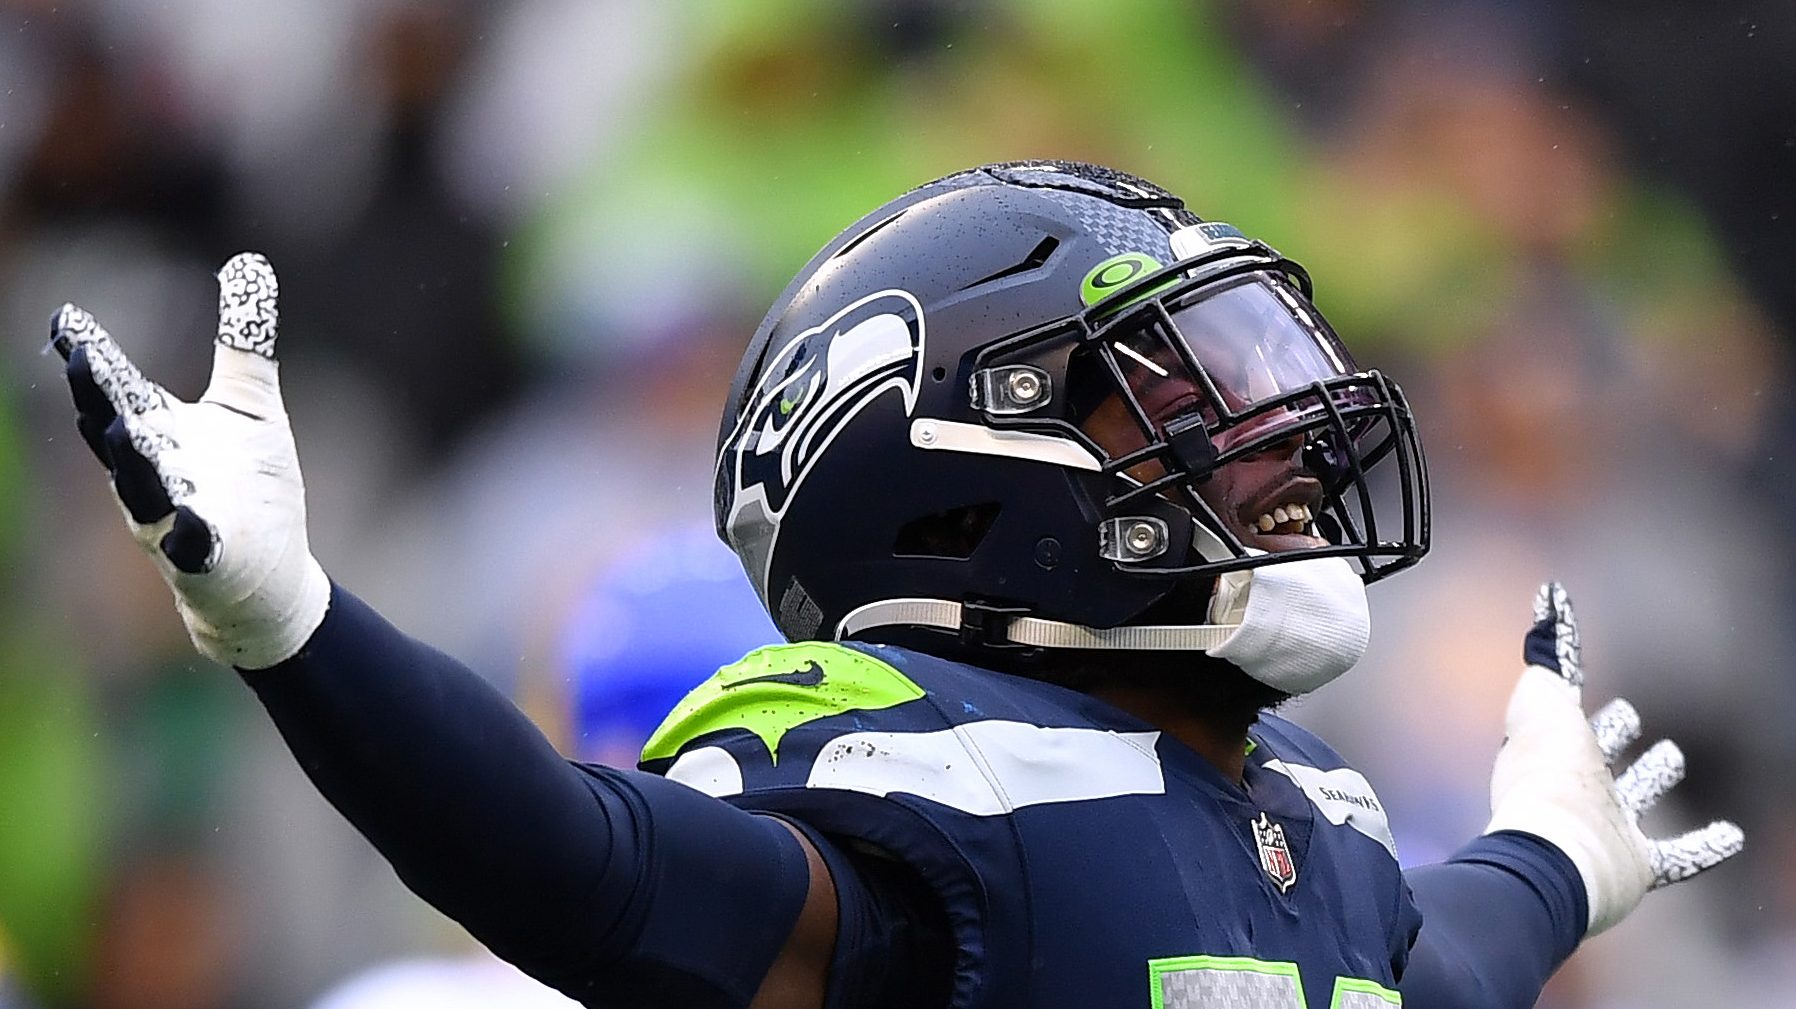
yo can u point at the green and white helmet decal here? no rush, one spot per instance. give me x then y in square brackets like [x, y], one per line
[1119, 271]
[1116, 273]
[774, 690]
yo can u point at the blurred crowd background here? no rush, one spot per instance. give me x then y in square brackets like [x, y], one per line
[521, 245]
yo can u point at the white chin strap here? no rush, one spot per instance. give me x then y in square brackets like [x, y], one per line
[1293, 626]
[1038, 632]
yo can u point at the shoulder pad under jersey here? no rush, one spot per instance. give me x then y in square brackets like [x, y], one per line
[882, 721]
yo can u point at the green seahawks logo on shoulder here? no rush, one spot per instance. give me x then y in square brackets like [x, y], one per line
[776, 689]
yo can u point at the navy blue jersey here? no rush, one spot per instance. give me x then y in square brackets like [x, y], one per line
[1083, 858]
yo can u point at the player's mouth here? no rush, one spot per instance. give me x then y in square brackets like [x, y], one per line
[1282, 517]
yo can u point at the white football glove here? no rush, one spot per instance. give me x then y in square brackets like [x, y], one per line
[1552, 778]
[212, 489]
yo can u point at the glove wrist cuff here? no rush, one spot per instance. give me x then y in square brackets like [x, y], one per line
[268, 628]
[1614, 872]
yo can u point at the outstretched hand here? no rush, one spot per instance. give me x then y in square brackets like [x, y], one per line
[212, 489]
[1552, 777]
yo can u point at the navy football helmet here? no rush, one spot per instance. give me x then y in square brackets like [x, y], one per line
[912, 440]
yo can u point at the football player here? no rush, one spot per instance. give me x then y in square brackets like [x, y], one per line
[1055, 489]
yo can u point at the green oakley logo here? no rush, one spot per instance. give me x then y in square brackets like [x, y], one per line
[1115, 273]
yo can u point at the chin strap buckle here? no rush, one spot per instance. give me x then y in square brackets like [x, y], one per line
[987, 625]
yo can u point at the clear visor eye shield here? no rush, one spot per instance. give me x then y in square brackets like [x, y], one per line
[1174, 372]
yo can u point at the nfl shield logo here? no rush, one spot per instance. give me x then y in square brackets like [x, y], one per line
[1275, 854]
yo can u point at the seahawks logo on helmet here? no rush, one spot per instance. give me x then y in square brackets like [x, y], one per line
[808, 391]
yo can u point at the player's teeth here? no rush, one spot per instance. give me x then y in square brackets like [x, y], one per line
[1266, 523]
[1280, 516]
[1300, 512]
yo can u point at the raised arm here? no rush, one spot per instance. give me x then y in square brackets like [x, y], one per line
[616, 887]
[1564, 856]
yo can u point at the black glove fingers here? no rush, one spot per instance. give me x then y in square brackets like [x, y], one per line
[94, 433]
[138, 484]
[1552, 643]
[93, 412]
[89, 398]
[189, 542]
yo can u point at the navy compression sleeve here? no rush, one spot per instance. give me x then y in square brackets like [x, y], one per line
[1497, 919]
[616, 887]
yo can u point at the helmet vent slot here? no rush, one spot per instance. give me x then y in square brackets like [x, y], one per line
[863, 236]
[1035, 260]
[950, 535]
